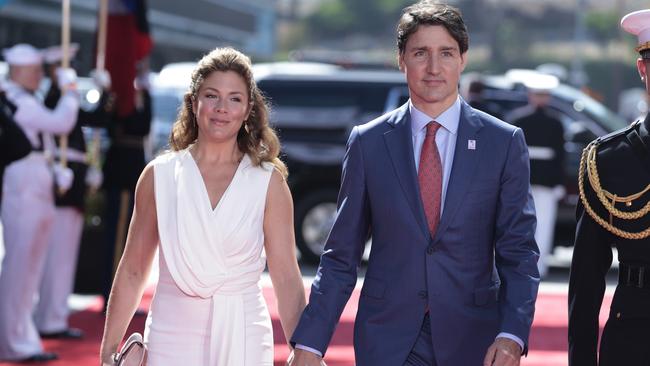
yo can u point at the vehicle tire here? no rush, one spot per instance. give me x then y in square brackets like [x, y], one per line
[314, 217]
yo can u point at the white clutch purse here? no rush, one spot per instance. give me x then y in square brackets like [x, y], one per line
[132, 352]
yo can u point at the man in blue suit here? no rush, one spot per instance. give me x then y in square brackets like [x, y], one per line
[443, 190]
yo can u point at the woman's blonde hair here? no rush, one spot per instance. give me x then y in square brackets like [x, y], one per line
[255, 138]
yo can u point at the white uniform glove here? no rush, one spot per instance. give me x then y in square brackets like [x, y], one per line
[142, 81]
[67, 78]
[101, 78]
[559, 192]
[63, 177]
[94, 178]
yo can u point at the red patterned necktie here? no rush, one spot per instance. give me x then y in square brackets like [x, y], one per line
[430, 177]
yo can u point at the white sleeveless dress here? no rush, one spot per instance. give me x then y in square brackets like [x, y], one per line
[208, 308]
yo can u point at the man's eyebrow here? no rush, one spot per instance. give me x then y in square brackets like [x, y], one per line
[426, 48]
[419, 48]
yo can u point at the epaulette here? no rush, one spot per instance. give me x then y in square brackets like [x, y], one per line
[617, 133]
[589, 175]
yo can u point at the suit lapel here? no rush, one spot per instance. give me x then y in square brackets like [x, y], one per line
[464, 165]
[399, 142]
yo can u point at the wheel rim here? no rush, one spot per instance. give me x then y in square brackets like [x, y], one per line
[316, 226]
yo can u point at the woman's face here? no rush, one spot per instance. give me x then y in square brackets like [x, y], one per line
[221, 106]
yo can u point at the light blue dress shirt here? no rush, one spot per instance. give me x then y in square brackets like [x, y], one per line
[446, 142]
[445, 139]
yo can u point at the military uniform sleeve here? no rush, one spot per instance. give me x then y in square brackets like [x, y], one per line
[139, 122]
[100, 116]
[592, 258]
[33, 114]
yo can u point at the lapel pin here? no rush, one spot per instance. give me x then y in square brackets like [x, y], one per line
[471, 144]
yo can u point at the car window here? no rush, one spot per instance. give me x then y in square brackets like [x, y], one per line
[583, 103]
[165, 104]
[318, 105]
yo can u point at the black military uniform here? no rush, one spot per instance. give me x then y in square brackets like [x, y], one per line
[124, 163]
[614, 207]
[14, 144]
[613, 211]
[99, 117]
[542, 128]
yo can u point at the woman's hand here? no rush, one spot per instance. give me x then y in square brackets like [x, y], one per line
[107, 360]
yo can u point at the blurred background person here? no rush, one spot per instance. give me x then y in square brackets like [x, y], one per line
[51, 314]
[28, 199]
[123, 164]
[545, 139]
[613, 212]
[475, 99]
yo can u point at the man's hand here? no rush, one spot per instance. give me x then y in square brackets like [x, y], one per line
[503, 352]
[66, 78]
[300, 357]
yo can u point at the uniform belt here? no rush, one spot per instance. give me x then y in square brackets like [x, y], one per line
[73, 155]
[135, 142]
[634, 275]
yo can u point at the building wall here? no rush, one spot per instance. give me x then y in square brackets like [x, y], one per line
[181, 30]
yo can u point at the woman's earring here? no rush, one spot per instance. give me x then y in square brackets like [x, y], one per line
[246, 127]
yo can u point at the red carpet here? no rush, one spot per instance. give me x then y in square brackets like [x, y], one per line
[548, 344]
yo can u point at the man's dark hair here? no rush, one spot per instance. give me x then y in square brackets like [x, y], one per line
[427, 12]
[645, 54]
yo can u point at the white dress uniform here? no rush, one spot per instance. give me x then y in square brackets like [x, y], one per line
[545, 138]
[27, 213]
[51, 312]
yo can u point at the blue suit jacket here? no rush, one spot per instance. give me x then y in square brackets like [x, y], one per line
[478, 274]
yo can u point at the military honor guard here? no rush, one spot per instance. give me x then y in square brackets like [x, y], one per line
[614, 185]
[545, 139]
[125, 160]
[27, 208]
[51, 314]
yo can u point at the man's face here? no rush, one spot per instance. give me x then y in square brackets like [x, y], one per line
[643, 65]
[432, 63]
[27, 76]
[538, 98]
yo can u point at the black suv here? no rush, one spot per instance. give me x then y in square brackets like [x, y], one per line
[314, 107]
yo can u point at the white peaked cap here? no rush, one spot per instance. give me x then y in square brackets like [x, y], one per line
[541, 83]
[54, 54]
[534, 81]
[22, 54]
[638, 23]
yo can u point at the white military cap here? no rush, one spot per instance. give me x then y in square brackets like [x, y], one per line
[54, 54]
[638, 23]
[22, 54]
[534, 81]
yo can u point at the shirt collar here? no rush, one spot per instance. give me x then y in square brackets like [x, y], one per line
[448, 119]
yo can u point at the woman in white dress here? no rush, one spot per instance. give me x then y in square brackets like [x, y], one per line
[212, 205]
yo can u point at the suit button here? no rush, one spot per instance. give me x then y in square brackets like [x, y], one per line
[422, 294]
[618, 315]
[430, 249]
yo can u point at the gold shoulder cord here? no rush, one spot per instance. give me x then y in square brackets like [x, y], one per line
[588, 162]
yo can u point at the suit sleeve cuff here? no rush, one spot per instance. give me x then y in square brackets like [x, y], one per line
[512, 337]
[309, 349]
